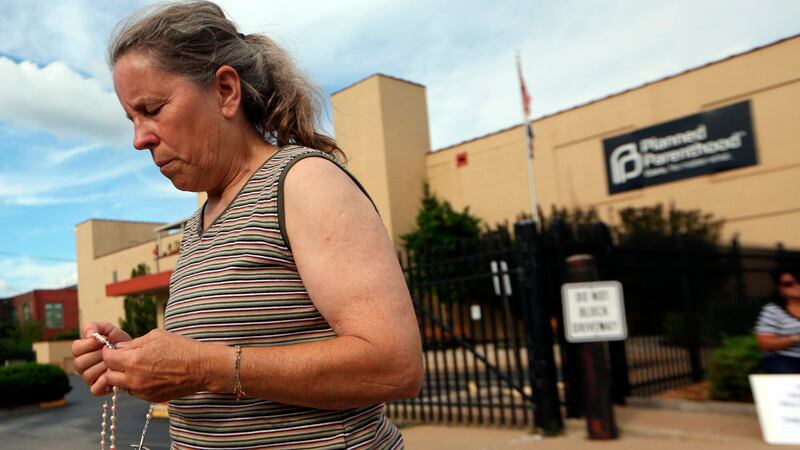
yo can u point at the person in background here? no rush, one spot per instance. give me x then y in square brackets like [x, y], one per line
[289, 323]
[778, 326]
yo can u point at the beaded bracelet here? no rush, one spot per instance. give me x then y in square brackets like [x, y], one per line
[238, 391]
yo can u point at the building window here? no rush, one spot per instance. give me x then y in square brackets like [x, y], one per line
[26, 312]
[54, 315]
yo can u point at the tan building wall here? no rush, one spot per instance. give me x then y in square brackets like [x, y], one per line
[382, 125]
[758, 202]
[58, 353]
[134, 242]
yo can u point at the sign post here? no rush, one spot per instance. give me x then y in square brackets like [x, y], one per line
[594, 313]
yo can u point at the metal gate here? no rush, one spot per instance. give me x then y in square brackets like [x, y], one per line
[488, 351]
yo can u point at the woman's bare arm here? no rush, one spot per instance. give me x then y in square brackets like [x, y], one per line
[352, 274]
[773, 342]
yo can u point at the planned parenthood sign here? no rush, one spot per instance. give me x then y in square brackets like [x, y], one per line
[713, 141]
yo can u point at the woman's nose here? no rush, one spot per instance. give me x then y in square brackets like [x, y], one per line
[143, 138]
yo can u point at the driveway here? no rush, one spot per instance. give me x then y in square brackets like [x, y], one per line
[77, 424]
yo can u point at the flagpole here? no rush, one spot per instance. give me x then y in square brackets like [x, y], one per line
[531, 177]
[528, 129]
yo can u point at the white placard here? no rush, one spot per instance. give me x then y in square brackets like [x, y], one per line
[778, 403]
[594, 311]
[475, 312]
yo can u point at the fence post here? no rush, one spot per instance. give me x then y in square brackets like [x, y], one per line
[620, 381]
[538, 334]
[741, 288]
[561, 237]
[690, 312]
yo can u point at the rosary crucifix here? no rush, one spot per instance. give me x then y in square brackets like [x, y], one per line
[113, 429]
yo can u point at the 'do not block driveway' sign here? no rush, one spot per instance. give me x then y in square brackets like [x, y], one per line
[594, 311]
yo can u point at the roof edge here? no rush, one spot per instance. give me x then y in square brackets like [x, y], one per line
[118, 220]
[377, 74]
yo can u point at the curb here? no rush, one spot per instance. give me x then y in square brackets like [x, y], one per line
[53, 404]
[733, 408]
[160, 411]
[32, 407]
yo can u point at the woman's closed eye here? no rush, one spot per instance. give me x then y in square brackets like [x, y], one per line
[153, 110]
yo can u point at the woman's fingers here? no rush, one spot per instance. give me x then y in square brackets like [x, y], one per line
[116, 335]
[94, 372]
[86, 360]
[101, 386]
[82, 347]
[113, 333]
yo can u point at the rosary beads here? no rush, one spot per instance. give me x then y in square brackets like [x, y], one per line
[113, 428]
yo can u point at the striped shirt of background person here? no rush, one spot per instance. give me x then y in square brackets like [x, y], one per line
[775, 320]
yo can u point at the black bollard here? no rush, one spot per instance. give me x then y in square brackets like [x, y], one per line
[600, 422]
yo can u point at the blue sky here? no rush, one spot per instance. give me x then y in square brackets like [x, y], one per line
[65, 152]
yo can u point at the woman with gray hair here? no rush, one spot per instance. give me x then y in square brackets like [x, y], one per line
[289, 323]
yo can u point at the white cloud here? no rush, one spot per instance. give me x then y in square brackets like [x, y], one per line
[72, 31]
[58, 100]
[60, 156]
[52, 187]
[27, 274]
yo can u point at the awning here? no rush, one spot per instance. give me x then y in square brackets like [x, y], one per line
[154, 283]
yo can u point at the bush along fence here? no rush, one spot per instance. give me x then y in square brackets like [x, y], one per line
[489, 312]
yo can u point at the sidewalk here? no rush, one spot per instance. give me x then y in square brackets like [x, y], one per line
[640, 428]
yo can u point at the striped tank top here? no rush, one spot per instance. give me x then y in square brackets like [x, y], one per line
[237, 283]
[776, 320]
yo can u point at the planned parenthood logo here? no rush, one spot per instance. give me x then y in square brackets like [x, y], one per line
[700, 144]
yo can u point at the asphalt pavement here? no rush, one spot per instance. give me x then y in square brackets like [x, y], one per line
[77, 424]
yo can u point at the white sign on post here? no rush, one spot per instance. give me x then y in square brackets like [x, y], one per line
[778, 403]
[594, 311]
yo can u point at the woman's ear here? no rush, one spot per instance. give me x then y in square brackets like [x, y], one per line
[229, 90]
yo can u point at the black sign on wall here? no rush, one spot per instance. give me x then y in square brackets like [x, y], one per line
[700, 144]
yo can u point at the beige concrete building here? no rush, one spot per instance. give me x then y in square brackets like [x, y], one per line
[721, 137]
[108, 250]
[759, 202]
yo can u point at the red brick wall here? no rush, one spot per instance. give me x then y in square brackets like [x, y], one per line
[38, 298]
[22, 299]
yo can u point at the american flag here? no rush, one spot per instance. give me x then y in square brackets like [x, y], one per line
[526, 108]
[526, 98]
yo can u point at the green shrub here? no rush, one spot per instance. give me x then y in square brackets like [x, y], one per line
[16, 349]
[32, 383]
[31, 330]
[730, 365]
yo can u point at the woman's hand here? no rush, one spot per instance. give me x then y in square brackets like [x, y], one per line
[159, 366]
[89, 358]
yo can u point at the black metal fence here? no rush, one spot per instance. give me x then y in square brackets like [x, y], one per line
[485, 310]
[680, 302]
[477, 336]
